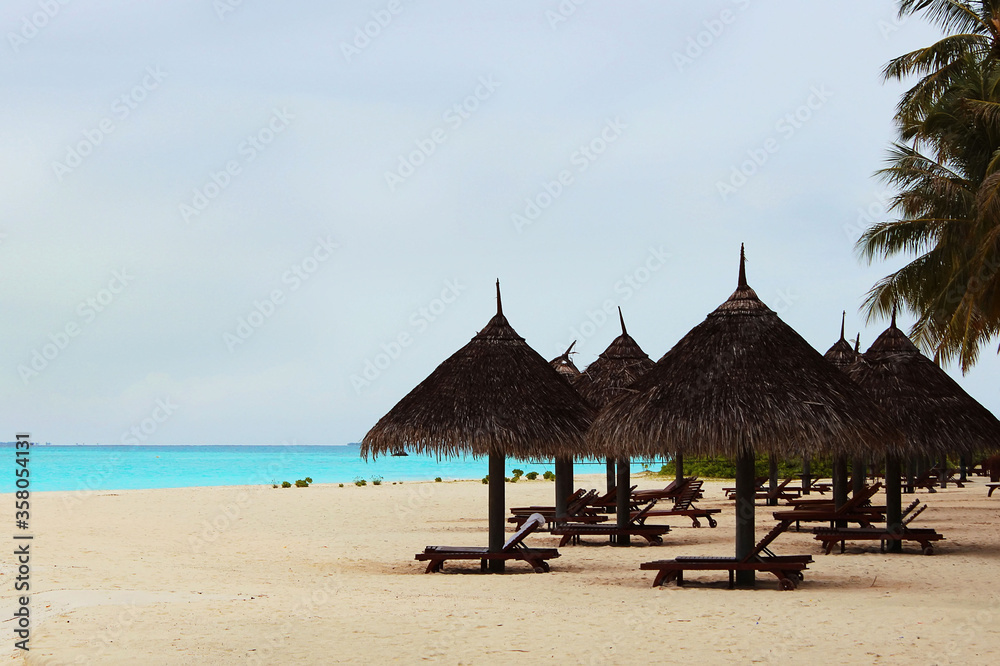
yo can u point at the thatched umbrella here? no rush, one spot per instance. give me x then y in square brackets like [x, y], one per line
[739, 383]
[494, 397]
[607, 378]
[934, 413]
[564, 365]
[842, 355]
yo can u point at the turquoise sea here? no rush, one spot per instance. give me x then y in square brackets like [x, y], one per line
[94, 467]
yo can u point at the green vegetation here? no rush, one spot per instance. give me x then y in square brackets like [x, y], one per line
[437, 479]
[301, 483]
[531, 476]
[376, 480]
[340, 485]
[286, 484]
[486, 479]
[549, 476]
[725, 468]
[358, 481]
[945, 169]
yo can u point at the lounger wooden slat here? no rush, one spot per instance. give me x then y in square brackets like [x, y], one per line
[924, 536]
[513, 549]
[683, 506]
[653, 534]
[786, 568]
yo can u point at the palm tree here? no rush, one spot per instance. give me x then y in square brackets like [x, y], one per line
[946, 168]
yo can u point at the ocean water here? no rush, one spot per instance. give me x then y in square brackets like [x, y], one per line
[131, 467]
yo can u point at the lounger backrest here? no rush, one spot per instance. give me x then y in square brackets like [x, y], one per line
[766, 541]
[909, 518]
[580, 503]
[859, 499]
[642, 513]
[689, 495]
[533, 522]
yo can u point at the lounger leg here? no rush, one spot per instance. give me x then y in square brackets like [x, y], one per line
[660, 575]
[694, 521]
[732, 579]
[431, 566]
[565, 540]
[843, 542]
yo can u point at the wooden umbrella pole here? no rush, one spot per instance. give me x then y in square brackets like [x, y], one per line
[745, 495]
[893, 500]
[497, 509]
[679, 466]
[772, 478]
[806, 475]
[840, 485]
[859, 475]
[564, 485]
[622, 504]
[611, 474]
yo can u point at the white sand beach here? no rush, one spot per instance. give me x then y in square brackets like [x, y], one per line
[326, 575]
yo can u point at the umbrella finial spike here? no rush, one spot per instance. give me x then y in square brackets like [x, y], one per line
[499, 304]
[843, 317]
[570, 350]
[622, 320]
[743, 267]
[857, 344]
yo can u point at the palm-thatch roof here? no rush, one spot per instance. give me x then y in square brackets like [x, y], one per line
[932, 410]
[564, 365]
[741, 382]
[494, 395]
[614, 371]
[841, 354]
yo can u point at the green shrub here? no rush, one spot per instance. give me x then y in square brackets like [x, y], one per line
[340, 485]
[309, 479]
[486, 479]
[301, 483]
[531, 476]
[437, 479]
[376, 480]
[718, 467]
[358, 481]
[285, 484]
[517, 472]
[549, 476]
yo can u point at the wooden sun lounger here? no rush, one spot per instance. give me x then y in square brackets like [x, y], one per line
[853, 511]
[991, 486]
[683, 506]
[514, 549]
[673, 490]
[924, 536]
[636, 527]
[787, 569]
[578, 508]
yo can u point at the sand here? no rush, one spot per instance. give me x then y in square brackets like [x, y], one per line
[326, 575]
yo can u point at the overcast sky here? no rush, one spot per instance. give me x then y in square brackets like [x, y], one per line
[248, 222]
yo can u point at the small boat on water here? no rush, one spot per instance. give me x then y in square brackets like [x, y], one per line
[400, 452]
